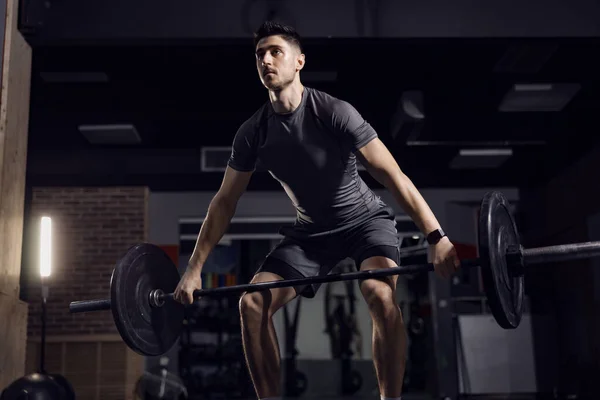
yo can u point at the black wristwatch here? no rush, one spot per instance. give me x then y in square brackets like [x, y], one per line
[435, 236]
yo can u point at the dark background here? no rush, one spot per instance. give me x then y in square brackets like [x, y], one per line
[185, 77]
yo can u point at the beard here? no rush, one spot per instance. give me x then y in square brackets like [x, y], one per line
[278, 83]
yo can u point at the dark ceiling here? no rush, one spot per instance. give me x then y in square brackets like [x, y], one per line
[186, 95]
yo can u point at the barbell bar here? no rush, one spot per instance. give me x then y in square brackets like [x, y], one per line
[157, 297]
[150, 321]
[539, 255]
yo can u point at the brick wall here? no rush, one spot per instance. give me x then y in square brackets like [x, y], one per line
[92, 228]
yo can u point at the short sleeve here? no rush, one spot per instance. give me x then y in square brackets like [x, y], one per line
[353, 127]
[243, 152]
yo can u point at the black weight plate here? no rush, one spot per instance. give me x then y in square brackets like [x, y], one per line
[33, 386]
[69, 392]
[497, 231]
[148, 330]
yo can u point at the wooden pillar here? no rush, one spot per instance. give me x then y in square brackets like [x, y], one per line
[14, 119]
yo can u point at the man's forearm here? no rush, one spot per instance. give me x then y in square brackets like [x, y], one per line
[411, 201]
[213, 228]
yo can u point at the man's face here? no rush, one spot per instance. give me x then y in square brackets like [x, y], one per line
[277, 62]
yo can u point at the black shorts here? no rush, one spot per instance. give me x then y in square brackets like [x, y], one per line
[297, 256]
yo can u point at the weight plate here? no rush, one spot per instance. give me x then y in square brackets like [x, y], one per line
[69, 392]
[497, 231]
[36, 385]
[148, 330]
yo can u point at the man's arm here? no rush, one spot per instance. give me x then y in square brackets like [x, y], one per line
[380, 163]
[376, 158]
[220, 211]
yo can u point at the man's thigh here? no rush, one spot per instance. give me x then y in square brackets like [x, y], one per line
[375, 244]
[296, 260]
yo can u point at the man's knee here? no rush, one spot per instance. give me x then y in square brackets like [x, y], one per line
[254, 304]
[379, 295]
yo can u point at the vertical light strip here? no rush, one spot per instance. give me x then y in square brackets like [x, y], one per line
[46, 247]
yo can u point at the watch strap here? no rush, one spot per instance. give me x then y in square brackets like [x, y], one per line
[435, 236]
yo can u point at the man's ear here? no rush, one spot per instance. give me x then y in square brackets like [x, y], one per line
[300, 60]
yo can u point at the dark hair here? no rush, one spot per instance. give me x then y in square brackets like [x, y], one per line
[272, 28]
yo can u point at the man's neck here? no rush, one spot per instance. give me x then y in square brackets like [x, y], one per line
[287, 100]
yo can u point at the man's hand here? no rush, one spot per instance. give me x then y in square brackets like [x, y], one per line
[444, 256]
[190, 281]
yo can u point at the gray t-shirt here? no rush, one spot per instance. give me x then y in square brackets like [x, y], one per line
[310, 151]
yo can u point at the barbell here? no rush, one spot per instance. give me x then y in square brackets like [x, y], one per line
[150, 321]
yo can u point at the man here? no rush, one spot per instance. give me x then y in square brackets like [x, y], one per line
[309, 141]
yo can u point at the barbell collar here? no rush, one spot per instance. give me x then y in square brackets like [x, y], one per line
[515, 262]
[157, 298]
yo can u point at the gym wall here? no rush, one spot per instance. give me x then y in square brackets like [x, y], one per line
[565, 297]
[92, 228]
